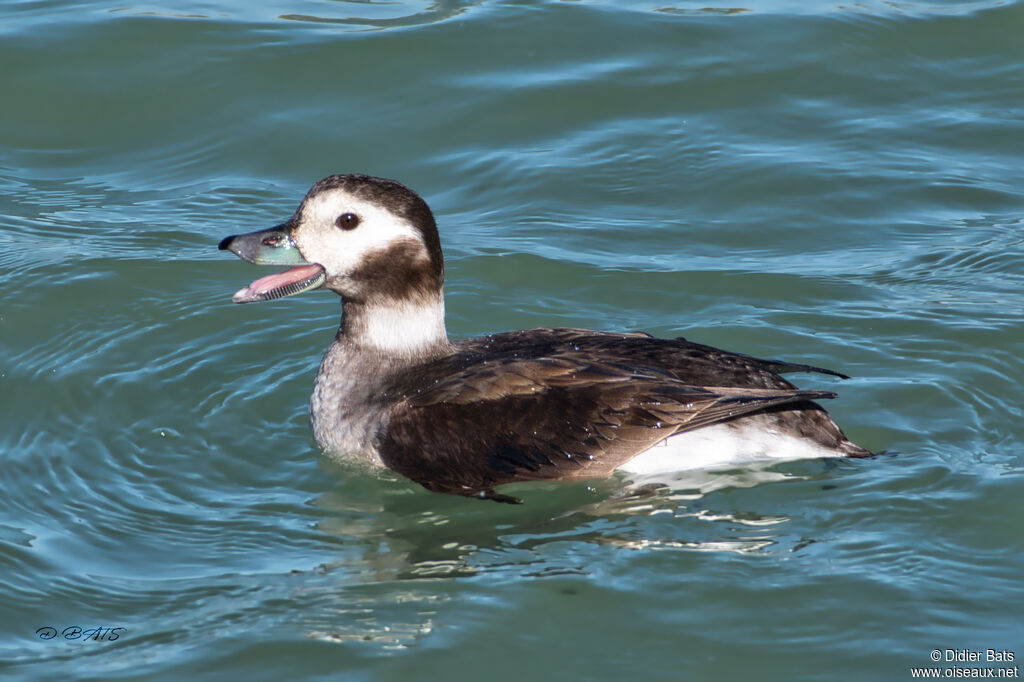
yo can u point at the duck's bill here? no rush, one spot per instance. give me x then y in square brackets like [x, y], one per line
[288, 283]
[273, 247]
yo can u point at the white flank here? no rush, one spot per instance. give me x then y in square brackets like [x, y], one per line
[722, 446]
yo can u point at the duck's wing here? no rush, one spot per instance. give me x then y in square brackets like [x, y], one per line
[771, 365]
[517, 419]
[691, 362]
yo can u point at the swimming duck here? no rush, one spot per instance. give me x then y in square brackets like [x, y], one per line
[464, 417]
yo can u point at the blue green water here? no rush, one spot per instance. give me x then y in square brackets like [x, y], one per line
[836, 184]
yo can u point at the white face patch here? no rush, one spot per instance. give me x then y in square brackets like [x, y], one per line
[341, 251]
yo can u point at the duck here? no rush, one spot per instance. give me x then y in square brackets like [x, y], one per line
[467, 416]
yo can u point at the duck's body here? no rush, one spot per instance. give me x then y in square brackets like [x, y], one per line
[465, 417]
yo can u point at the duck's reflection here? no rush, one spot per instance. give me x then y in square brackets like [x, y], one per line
[410, 555]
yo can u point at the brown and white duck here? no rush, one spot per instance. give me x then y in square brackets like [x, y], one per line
[463, 417]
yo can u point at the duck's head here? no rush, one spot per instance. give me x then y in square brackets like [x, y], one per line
[369, 239]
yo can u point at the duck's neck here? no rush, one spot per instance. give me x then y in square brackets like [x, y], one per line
[398, 330]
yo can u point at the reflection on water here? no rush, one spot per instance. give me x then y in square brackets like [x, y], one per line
[408, 559]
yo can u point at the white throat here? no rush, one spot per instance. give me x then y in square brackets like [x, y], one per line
[397, 328]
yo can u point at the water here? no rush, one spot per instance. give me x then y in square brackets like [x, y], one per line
[835, 184]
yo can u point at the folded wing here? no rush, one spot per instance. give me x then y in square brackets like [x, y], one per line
[551, 417]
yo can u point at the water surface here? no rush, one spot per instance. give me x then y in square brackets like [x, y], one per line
[836, 184]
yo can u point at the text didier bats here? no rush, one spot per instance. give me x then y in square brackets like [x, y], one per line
[988, 655]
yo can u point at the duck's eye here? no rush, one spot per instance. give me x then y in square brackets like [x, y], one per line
[347, 221]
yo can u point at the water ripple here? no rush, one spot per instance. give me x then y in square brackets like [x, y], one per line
[836, 184]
